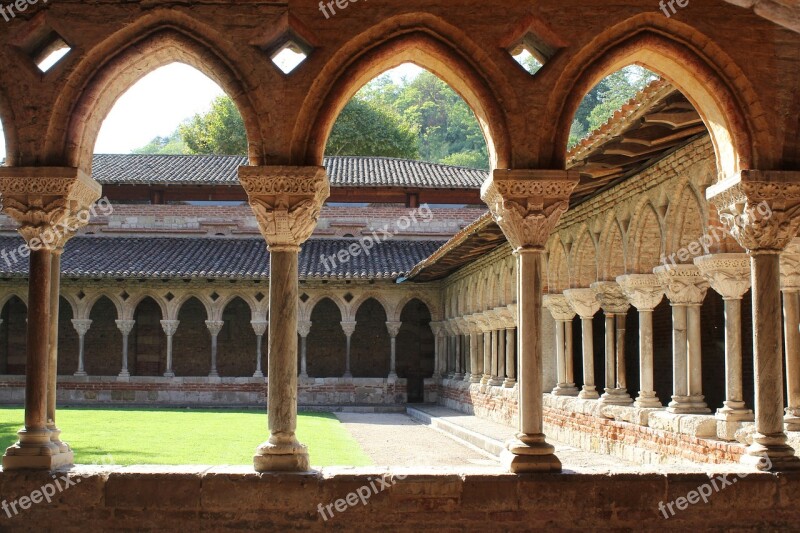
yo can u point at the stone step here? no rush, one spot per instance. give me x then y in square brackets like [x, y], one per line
[490, 445]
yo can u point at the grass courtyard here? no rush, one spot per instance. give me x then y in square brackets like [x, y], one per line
[185, 436]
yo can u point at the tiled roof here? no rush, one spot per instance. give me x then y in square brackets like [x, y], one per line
[121, 169]
[165, 258]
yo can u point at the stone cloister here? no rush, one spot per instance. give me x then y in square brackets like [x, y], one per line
[607, 284]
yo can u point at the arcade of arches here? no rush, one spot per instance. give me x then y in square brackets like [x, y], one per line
[610, 299]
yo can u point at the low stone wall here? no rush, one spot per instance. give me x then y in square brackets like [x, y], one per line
[149, 498]
[498, 404]
[216, 391]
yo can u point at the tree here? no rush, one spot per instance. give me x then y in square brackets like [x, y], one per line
[368, 129]
[220, 131]
[172, 144]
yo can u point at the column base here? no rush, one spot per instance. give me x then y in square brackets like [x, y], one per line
[792, 419]
[169, 374]
[688, 405]
[771, 453]
[213, 374]
[276, 456]
[80, 374]
[35, 450]
[303, 376]
[392, 375]
[509, 383]
[458, 377]
[475, 378]
[349, 375]
[530, 454]
[588, 392]
[451, 375]
[730, 414]
[565, 389]
[258, 374]
[495, 382]
[647, 400]
[616, 397]
[55, 438]
[485, 379]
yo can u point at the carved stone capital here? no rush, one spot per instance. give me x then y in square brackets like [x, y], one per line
[394, 328]
[438, 329]
[583, 301]
[170, 327]
[259, 327]
[683, 284]
[728, 274]
[559, 307]
[643, 291]
[462, 326]
[214, 326]
[303, 327]
[505, 316]
[125, 326]
[611, 297]
[514, 314]
[81, 326]
[761, 209]
[49, 203]
[286, 202]
[527, 204]
[348, 327]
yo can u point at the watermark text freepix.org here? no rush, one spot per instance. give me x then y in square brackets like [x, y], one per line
[361, 494]
[332, 5]
[10, 11]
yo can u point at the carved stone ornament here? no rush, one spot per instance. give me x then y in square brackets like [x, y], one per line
[527, 204]
[49, 203]
[286, 201]
[260, 327]
[303, 327]
[761, 209]
[583, 301]
[125, 326]
[559, 307]
[170, 327]
[683, 284]
[643, 291]
[611, 297]
[728, 274]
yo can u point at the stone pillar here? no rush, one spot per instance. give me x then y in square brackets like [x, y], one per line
[452, 329]
[460, 325]
[259, 328]
[49, 204]
[303, 329]
[214, 327]
[82, 327]
[729, 276]
[169, 327]
[527, 205]
[562, 314]
[125, 327]
[644, 292]
[511, 347]
[503, 317]
[686, 289]
[790, 286]
[287, 203]
[615, 306]
[485, 325]
[760, 209]
[475, 349]
[394, 330]
[585, 304]
[349, 328]
[437, 328]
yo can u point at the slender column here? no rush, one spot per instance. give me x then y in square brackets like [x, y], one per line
[437, 328]
[686, 289]
[394, 330]
[563, 314]
[486, 333]
[502, 318]
[169, 327]
[459, 325]
[349, 328]
[125, 327]
[82, 327]
[52, 363]
[214, 327]
[511, 347]
[303, 328]
[286, 202]
[585, 304]
[475, 352]
[790, 285]
[644, 292]
[259, 328]
[527, 205]
[615, 306]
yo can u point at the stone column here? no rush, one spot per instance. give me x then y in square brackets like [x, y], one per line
[686, 289]
[49, 204]
[527, 205]
[729, 276]
[452, 329]
[394, 330]
[615, 306]
[511, 347]
[760, 209]
[475, 349]
[82, 327]
[259, 328]
[485, 325]
[790, 286]
[644, 292]
[460, 326]
[502, 318]
[52, 363]
[214, 327]
[349, 328]
[585, 304]
[437, 328]
[287, 203]
[562, 314]
[169, 327]
[125, 327]
[303, 329]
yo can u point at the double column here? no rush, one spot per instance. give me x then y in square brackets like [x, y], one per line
[527, 205]
[615, 307]
[49, 204]
[125, 327]
[81, 326]
[563, 314]
[644, 292]
[169, 327]
[349, 328]
[259, 328]
[475, 330]
[510, 322]
[394, 331]
[584, 303]
[790, 286]
[287, 203]
[761, 209]
[439, 349]
[686, 289]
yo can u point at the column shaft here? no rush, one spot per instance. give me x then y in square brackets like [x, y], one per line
[791, 313]
[589, 391]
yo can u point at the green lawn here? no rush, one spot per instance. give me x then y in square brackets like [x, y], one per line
[185, 436]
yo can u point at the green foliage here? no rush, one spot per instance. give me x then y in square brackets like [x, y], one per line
[220, 131]
[368, 129]
[170, 145]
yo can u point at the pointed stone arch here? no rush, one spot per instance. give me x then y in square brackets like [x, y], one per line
[584, 260]
[611, 251]
[557, 267]
[645, 239]
[685, 221]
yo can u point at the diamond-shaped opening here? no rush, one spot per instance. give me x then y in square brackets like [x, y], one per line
[289, 56]
[304, 297]
[527, 60]
[260, 296]
[49, 50]
[169, 296]
[124, 295]
[348, 297]
[214, 296]
[81, 295]
[532, 52]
